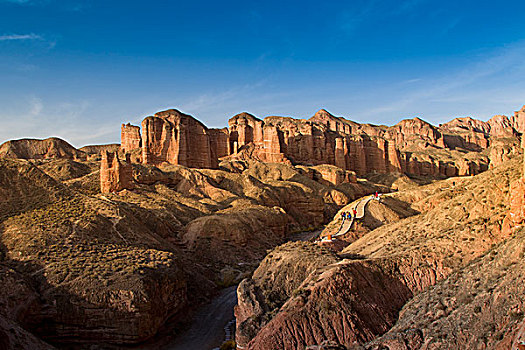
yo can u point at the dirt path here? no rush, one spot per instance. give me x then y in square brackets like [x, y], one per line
[359, 207]
[208, 326]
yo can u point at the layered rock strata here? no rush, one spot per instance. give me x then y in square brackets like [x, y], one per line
[173, 137]
[355, 297]
[176, 138]
[114, 174]
[412, 146]
[130, 138]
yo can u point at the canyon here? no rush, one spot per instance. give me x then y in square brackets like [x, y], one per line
[429, 267]
[107, 245]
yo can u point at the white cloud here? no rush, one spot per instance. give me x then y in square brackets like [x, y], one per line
[8, 37]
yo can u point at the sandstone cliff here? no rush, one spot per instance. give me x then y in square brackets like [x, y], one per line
[412, 146]
[114, 174]
[176, 138]
[130, 138]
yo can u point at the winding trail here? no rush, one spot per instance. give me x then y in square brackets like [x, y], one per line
[360, 207]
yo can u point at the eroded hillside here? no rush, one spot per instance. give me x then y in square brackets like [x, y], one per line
[113, 268]
[451, 234]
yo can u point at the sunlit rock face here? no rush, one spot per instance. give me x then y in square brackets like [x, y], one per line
[412, 146]
[176, 138]
[130, 138]
[114, 174]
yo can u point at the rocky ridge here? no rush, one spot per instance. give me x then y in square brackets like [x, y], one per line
[412, 146]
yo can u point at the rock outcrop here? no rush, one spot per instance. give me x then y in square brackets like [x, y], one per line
[115, 175]
[130, 138]
[219, 142]
[473, 308]
[245, 128]
[173, 137]
[518, 120]
[412, 146]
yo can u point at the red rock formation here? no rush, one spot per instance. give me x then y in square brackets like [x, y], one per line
[130, 137]
[332, 174]
[365, 148]
[475, 132]
[114, 174]
[502, 151]
[466, 124]
[340, 160]
[334, 123]
[96, 150]
[219, 142]
[518, 120]
[273, 147]
[501, 126]
[245, 128]
[412, 146]
[516, 216]
[317, 311]
[393, 160]
[176, 138]
[408, 130]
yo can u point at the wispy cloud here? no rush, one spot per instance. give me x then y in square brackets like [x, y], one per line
[481, 88]
[373, 11]
[407, 6]
[26, 2]
[411, 81]
[17, 1]
[35, 117]
[9, 37]
[69, 5]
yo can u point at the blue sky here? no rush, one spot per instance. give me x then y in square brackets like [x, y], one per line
[78, 69]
